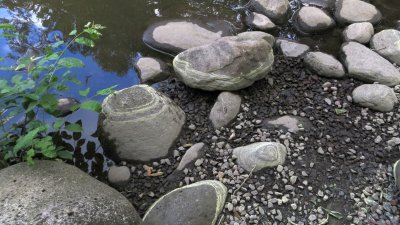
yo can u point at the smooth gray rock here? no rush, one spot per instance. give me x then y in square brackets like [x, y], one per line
[320, 3]
[288, 122]
[139, 124]
[396, 173]
[192, 154]
[292, 49]
[64, 106]
[257, 156]
[359, 32]
[364, 64]
[274, 9]
[119, 175]
[196, 204]
[52, 192]
[151, 70]
[258, 35]
[225, 109]
[375, 96]
[259, 22]
[231, 63]
[324, 64]
[355, 11]
[312, 20]
[387, 44]
[175, 36]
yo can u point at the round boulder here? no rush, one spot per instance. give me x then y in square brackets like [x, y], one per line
[196, 204]
[274, 9]
[52, 192]
[359, 32]
[231, 63]
[175, 36]
[324, 64]
[119, 175]
[259, 22]
[312, 20]
[355, 11]
[139, 124]
[375, 96]
[387, 44]
[257, 156]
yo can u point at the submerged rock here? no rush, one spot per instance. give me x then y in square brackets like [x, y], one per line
[359, 32]
[257, 156]
[175, 36]
[364, 64]
[225, 109]
[151, 70]
[52, 192]
[65, 106]
[292, 49]
[387, 44]
[324, 64]
[196, 204]
[312, 20]
[231, 63]
[375, 96]
[141, 123]
[274, 9]
[355, 11]
[259, 22]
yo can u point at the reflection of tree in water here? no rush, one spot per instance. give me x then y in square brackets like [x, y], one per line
[125, 21]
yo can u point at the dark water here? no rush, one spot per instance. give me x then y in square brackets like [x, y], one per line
[111, 61]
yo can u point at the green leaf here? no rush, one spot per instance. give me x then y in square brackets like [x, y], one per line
[74, 127]
[85, 41]
[73, 32]
[91, 105]
[7, 26]
[107, 91]
[27, 139]
[70, 62]
[62, 87]
[64, 155]
[16, 79]
[57, 44]
[58, 124]
[88, 24]
[340, 111]
[48, 102]
[85, 92]
[29, 156]
[47, 147]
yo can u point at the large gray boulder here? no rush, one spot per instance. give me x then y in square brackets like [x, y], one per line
[225, 109]
[355, 11]
[259, 22]
[231, 63]
[175, 36]
[196, 204]
[387, 44]
[52, 192]
[375, 96]
[312, 20]
[364, 64]
[151, 70]
[292, 49]
[140, 123]
[273, 9]
[257, 156]
[324, 64]
[359, 32]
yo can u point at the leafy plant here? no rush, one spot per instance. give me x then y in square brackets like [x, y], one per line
[34, 91]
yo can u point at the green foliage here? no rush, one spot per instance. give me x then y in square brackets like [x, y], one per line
[34, 91]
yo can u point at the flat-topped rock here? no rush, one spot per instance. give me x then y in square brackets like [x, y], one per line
[324, 64]
[225, 109]
[375, 96]
[196, 204]
[355, 11]
[257, 156]
[139, 124]
[359, 32]
[364, 64]
[259, 22]
[387, 44]
[274, 9]
[312, 20]
[292, 49]
[52, 192]
[175, 36]
[151, 70]
[231, 63]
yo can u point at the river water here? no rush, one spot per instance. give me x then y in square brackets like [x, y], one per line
[111, 61]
